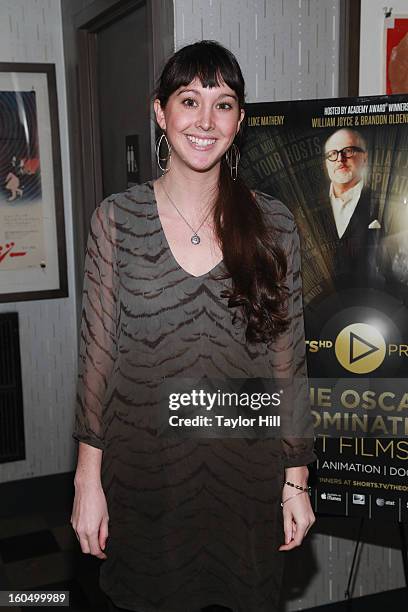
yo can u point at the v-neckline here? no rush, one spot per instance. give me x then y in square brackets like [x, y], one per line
[167, 244]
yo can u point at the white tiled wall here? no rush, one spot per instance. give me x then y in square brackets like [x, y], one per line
[287, 49]
[30, 31]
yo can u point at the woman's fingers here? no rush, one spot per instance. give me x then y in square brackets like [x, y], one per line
[90, 544]
[298, 532]
[301, 528]
[312, 520]
[83, 541]
[297, 520]
[103, 532]
[95, 549]
[288, 527]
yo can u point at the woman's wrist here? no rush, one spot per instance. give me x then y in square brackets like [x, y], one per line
[88, 471]
[87, 478]
[298, 475]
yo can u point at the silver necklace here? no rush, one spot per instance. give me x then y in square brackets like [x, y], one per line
[195, 238]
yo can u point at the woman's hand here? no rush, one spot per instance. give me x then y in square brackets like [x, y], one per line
[298, 516]
[90, 518]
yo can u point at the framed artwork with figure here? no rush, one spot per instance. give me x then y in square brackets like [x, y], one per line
[32, 229]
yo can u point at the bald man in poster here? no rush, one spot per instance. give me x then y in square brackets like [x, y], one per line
[349, 219]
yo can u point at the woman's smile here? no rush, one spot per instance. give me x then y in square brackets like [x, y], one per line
[201, 144]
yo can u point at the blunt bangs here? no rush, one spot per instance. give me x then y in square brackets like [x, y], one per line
[206, 60]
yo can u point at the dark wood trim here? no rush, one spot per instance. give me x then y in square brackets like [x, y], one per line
[89, 131]
[85, 128]
[160, 15]
[95, 119]
[112, 13]
[58, 187]
[349, 72]
[26, 67]
[152, 81]
[354, 47]
[102, 13]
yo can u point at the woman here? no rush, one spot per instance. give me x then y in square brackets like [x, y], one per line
[188, 277]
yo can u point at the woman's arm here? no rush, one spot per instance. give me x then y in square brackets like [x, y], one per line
[296, 416]
[97, 354]
[98, 344]
[297, 433]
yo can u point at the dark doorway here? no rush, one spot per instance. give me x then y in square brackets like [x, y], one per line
[114, 51]
[115, 83]
[123, 83]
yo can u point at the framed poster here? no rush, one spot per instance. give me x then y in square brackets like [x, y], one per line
[396, 54]
[32, 229]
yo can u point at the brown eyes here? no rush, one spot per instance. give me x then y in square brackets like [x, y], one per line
[188, 102]
[191, 103]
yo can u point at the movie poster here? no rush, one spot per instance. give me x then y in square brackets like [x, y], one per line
[341, 167]
[21, 206]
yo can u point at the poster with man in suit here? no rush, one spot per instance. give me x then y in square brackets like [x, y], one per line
[341, 167]
[349, 217]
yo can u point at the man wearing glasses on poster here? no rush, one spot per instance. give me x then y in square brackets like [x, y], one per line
[350, 218]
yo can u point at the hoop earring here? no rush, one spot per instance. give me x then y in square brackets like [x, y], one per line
[232, 157]
[163, 159]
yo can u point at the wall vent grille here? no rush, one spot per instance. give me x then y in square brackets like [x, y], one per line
[12, 439]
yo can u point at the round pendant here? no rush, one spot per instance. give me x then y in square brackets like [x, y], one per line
[195, 239]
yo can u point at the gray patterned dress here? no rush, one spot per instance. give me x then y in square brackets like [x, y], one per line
[193, 522]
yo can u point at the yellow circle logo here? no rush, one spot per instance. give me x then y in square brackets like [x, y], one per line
[360, 348]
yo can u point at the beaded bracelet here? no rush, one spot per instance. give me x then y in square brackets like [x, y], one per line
[307, 489]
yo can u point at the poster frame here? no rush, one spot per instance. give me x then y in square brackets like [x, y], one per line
[13, 69]
[349, 48]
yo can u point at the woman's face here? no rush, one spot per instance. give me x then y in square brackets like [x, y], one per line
[200, 123]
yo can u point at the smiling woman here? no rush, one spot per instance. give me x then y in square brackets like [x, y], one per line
[202, 119]
[200, 124]
[191, 278]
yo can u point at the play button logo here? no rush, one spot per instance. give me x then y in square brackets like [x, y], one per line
[360, 348]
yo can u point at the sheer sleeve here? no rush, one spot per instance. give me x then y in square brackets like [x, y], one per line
[288, 356]
[98, 347]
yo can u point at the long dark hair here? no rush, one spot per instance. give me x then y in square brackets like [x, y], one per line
[253, 260]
